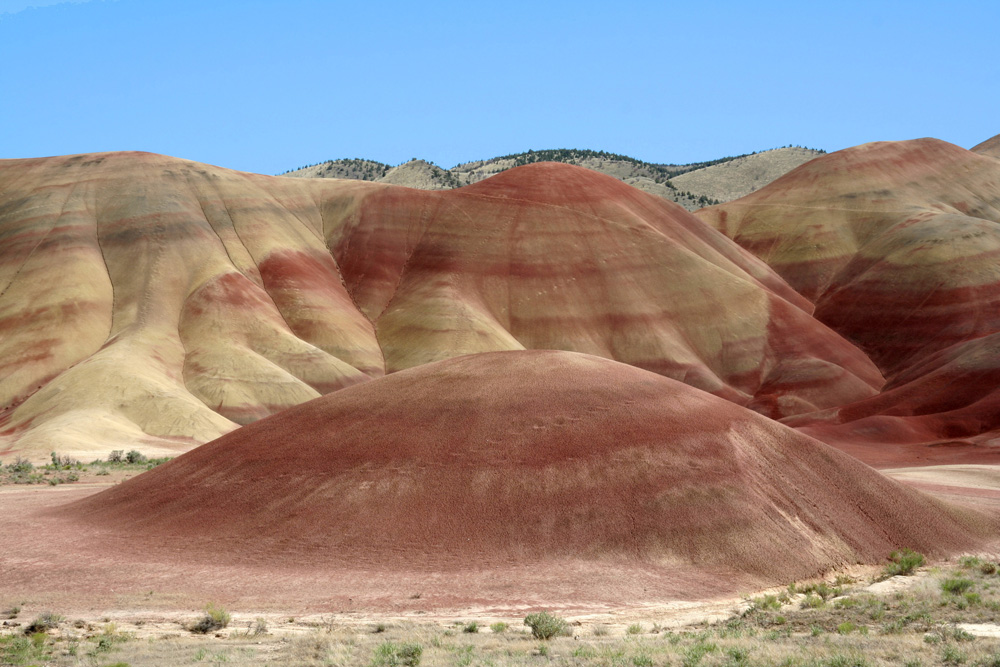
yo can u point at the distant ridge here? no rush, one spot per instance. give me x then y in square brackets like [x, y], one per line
[691, 185]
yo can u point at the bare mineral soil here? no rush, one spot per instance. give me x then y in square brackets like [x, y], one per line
[292, 615]
[108, 610]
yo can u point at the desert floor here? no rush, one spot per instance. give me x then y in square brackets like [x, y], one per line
[116, 608]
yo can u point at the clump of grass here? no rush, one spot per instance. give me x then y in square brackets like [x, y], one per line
[498, 628]
[634, 629]
[215, 618]
[840, 660]
[952, 656]
[904, 562]
[45, 622]
[956, 585]
[379, 628]
[471, 627]
[812, 601]
[764, 603]
[545, 625]
[693, 654]
[846, 628]
[388, 654]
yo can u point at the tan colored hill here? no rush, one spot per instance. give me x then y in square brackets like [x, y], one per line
[739, 177]
[152, 301]
[524, 457]
[419, 174]
[355, 169]
[989, 147]
[701, 183]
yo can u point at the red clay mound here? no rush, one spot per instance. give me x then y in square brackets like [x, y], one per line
[897, 243]
[494, 459]
[552, 256]
[950, 401]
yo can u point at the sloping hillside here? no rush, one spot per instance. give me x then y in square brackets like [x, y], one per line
[147, 299]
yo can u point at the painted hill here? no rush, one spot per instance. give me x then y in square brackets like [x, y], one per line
[156, 302]
[521, 457]
[897, 244]
[699, 183]
[989, 147]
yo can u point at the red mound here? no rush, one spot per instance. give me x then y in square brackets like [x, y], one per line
[552, 256]
[503, 458]
[898, 245]
[950, 401]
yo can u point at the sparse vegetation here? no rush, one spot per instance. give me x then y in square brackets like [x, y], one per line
[918, 625]
[44, 623]
[395, 655]
[215, 618]
[956, 585]
[903, 562]
[545, 625]
[66, 470]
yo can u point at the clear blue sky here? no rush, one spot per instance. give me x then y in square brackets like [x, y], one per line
[267, 86]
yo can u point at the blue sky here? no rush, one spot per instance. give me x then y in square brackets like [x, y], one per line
[267, 86]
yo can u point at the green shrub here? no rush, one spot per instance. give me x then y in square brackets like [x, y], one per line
[135, 456]
[846, 628]
[694, 654]
[904, 562]
[45, 622]
[812, 601]
[956, 585]
[952, 656]
[765, 602]
[471, 627]
[215, 618]
[545, 625]
[388, 654]
[499, 627]
[737, 657]
[20, 465]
